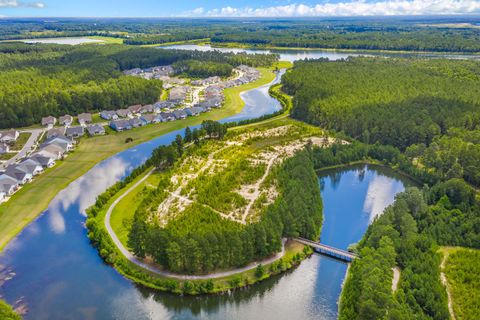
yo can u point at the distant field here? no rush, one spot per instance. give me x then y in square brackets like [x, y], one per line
[32, 199]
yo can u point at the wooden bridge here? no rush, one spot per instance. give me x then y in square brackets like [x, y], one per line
[328, 250]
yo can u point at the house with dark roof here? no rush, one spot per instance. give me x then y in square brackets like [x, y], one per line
[180, 114]
[84, 118]
[151, 118]
[147, 108]
[19, 173]
[137, 122]
[167, 116]
[108, 115]
[120, 125]
[135, 108]
[192, 111]
[75, 132]
[95, 130]
[66, 120]
[44, 160]
[49, 121]
[8, 185]
[32, 166]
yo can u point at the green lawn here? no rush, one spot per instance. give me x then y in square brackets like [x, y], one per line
[21, 141]
[31, 200]
[7, 156]
[122, 215]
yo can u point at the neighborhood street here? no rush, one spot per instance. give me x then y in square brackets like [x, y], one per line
[35, 134]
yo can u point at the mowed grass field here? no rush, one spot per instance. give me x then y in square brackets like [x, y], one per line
[34, 198]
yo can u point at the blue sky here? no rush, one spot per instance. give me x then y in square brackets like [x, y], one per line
[237, 8]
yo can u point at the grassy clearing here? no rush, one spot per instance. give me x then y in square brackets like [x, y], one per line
[31, 200]
[122, 215]
[107, 40]
[462, 270]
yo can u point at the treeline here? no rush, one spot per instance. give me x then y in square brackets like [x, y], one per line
[200, 69]
[201, 241]
[406, 236]
[392, 101]
[57, 80]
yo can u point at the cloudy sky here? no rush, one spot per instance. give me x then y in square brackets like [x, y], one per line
[237, 8]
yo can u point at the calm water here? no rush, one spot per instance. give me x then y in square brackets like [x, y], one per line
[57, 274]
[70, 41]
[294, 55]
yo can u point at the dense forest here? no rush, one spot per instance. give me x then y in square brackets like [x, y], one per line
[57, 80]
[429, 108]
[418, 116]
[201, 241]
[420, 34]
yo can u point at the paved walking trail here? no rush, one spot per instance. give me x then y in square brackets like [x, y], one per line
[164, 273]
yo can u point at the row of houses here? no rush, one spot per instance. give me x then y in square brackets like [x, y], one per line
[67, 120]
[151, 73]
[19, 174]
[76, 132]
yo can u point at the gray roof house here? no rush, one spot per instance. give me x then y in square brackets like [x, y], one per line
[137, 122]
[53, 150]
[62, 141]
[95, 130]
[19, 173]
[75, 132]
[151, 118]
[147, 108]
[8, 184]
[4, 148]
[9, 136]
[55, 132]
[192, 111]
[120, 125]
[109, 115]
[49, 121]
[84, 118]
[32, 166]
[123, 113]
[180, 114]
[135, 108]
[44, 160]
[167, 116]
[65, 120]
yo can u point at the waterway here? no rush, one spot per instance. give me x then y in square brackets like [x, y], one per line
[293, 55]
[55, 272]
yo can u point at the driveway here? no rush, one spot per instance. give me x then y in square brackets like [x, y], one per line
[27, 148]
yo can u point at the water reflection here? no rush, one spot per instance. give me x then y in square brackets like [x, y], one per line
[380, 194]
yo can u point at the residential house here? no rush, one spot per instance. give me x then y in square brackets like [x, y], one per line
[8, 185]
[32, 166]
[137, 122]
[120, 125]
[61, 140]
[178, 93]
[133, 72]
[180, 114]
[151, 118]
[109, 115]
[3, 195]
[4, 148]
[192, 111]
[9, 136]
[75, 132]
[19, 173]
[49, 121]
[44, 160]
[135, 109]
[147, 108]
[84, 118]
[124, 113]
[167, 116]
[65, 120]
[55, 132]
[54, 151]
[95, 130]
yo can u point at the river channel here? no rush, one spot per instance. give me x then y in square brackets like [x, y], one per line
[55, 272]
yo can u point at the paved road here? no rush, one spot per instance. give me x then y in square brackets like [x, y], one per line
[163, 273]
[35, 134]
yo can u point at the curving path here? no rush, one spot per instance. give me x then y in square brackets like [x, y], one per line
[164, 273]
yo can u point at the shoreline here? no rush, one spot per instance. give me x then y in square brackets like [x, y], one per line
[34, 198]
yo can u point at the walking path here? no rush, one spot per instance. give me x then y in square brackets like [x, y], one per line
[445, 283]
[163, 273]
[395, 279]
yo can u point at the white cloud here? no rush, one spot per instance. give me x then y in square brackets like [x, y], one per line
[350, 8]
[18, 4]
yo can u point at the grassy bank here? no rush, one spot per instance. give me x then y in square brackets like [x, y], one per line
[34, 198]
[7, 313]
[462, 270]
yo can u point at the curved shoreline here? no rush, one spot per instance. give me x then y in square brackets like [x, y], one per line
[128, 255]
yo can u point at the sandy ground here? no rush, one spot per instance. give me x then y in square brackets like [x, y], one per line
[396, 278]
[445, 283]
